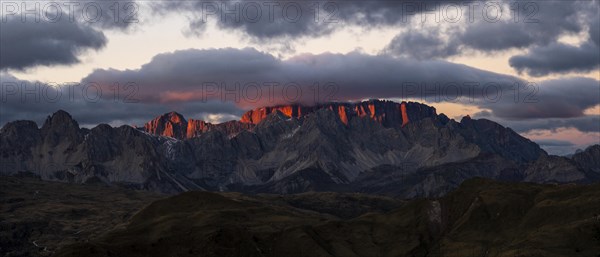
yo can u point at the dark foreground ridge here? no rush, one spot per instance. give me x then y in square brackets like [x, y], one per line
[481, 218]
[381, 147]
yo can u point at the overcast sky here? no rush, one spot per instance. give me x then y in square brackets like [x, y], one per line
[531, 65]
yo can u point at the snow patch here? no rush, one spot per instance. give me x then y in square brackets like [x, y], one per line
[169, 143]
[291, 134]
[146, 133]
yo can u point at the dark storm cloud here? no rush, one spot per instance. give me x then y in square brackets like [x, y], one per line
[32, 100]
[594, 31]
[106, 14]
[37, 33]
[116, 15]
[538, 28]
[184, 76]
[243, 76]
[421, 44]
[28, 44]
[499, 36]
[265, 20]
[538, 23]
[561, 58]
[557, 58]
[259, 19]
[559, 98]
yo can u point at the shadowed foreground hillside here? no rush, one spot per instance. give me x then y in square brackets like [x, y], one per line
[481, 218]
[37, 217]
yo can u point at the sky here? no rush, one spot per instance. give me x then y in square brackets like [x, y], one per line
[533, 66]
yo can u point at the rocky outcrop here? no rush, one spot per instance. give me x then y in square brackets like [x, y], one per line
[554, 169]
[494, 138]
[18, 137]
[589, 160]
[194, 128]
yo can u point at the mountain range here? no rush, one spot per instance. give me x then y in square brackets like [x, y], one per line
[399, 149]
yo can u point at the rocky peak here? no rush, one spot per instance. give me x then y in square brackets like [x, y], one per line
[15, 127]
[175, 117]
[170, 124]
[60, 125]
[273, 118]
[60, 119]
[495, 138]
[19, 134]
[102, 130]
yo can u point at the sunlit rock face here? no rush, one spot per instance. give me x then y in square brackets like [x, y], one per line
[169, 124]
[176, 126]
[387, 113]
[196, 127]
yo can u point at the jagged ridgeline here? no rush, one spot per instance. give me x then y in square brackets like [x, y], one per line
[401, 149]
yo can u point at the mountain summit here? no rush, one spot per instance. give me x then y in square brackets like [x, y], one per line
[169, 124]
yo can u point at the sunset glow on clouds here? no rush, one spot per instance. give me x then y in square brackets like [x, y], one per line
[175, 52]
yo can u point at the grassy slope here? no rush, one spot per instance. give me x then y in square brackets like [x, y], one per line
[481, 218]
